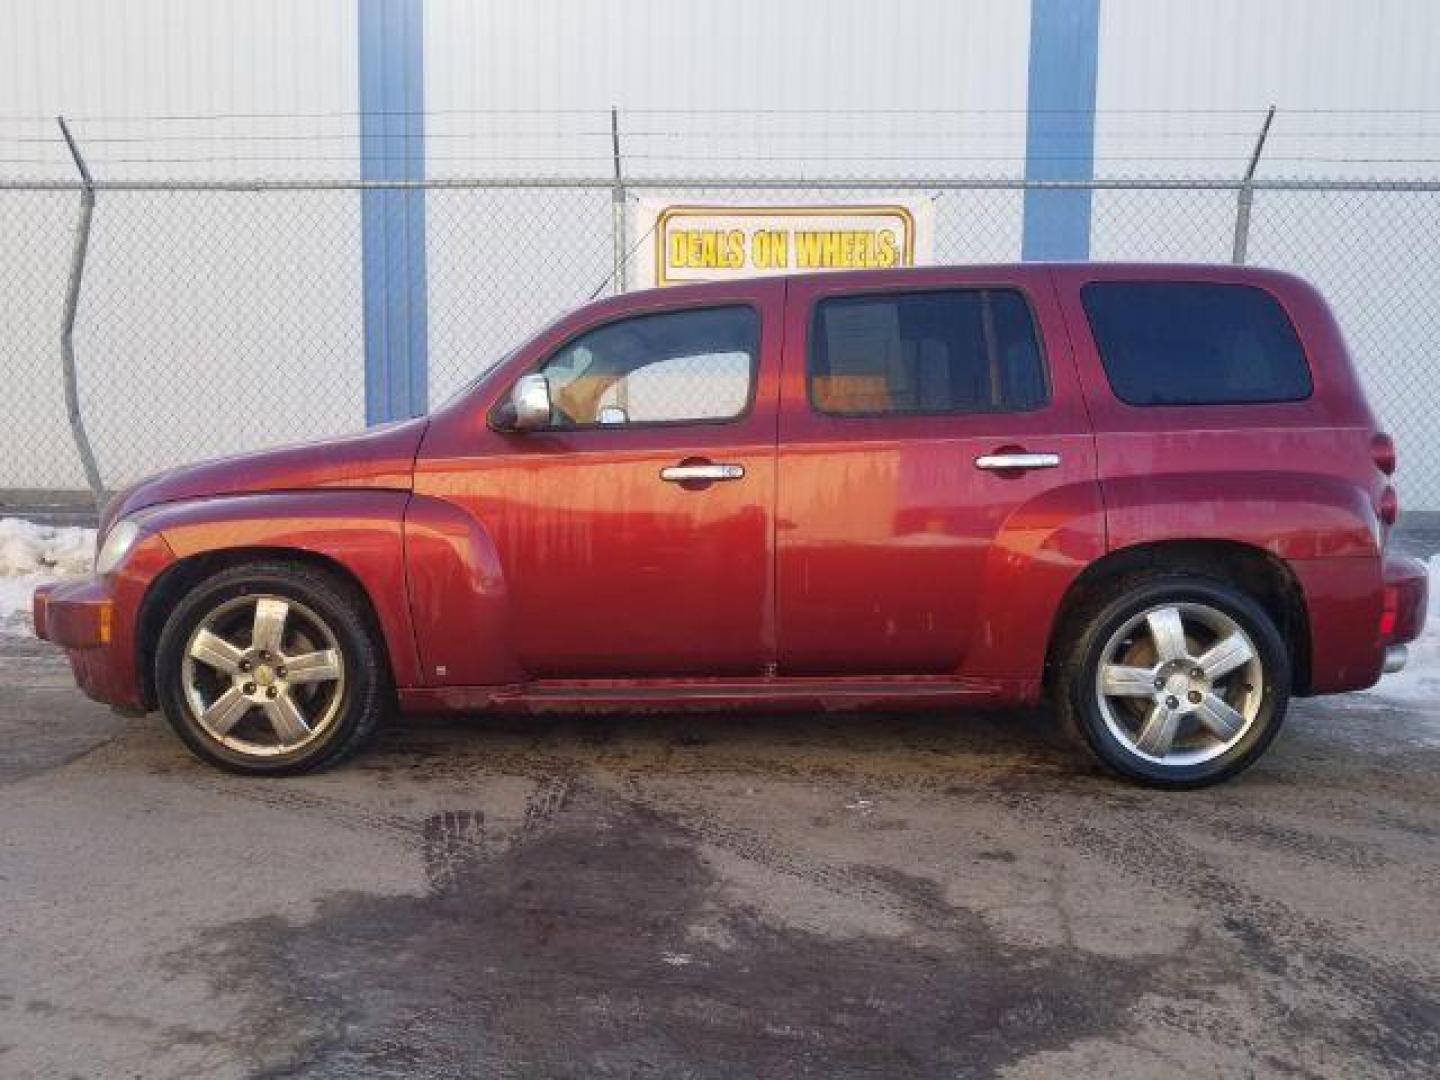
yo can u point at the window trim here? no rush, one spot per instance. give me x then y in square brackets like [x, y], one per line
[813, 337]
[1191, 282]
[640, 425]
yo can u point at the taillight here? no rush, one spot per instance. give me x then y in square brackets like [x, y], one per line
[1382, 452]
[1389, 508]
[1389, 612]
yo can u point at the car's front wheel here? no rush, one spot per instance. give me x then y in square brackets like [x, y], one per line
[271, 668]
[1174, 680]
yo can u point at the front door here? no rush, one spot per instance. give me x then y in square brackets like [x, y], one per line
[635, 532]
[932, 438]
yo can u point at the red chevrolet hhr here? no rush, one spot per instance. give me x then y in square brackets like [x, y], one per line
[1151, 495]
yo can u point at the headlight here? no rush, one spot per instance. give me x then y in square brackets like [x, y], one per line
[118, 542]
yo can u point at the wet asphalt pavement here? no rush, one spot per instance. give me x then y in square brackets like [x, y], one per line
[718, 896]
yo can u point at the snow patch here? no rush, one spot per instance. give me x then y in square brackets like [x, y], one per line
[32, 555]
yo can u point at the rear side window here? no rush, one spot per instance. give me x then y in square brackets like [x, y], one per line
[1190, 343]
[944, 351]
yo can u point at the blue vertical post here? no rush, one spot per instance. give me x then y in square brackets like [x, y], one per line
[392, 233]
[1060, 130]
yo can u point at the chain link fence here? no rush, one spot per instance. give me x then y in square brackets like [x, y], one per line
[215, 318]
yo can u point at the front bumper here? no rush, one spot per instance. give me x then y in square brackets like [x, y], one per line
[96, 621]
[80, 617]
[74, 615]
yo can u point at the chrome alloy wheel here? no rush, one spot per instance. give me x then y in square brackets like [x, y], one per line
[263, 675]
[1179, 684]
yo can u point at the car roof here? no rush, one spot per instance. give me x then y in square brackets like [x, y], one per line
[1073, 271]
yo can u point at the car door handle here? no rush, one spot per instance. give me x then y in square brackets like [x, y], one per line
[1002, 462]
[678, 474]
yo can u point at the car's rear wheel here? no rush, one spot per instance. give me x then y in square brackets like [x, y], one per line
[271, 668]
[1174, 680]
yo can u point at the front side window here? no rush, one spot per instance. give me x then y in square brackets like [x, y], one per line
[1195, 343]
[943, 351]
[672, 367]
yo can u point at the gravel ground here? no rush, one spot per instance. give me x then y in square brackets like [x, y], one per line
[721, 896]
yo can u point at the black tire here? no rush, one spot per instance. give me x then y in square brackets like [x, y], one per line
[361, 698]
[1080, 652]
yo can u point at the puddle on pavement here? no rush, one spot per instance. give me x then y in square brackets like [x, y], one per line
[567, 949]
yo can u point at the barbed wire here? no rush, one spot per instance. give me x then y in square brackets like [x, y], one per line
[796, 141]
[1255, 110]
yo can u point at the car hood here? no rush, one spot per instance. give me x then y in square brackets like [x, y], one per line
[382, 457]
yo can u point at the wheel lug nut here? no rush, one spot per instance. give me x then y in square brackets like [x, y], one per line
[270, 691]
[1195, 697]
[1197, 674]
[244, 665]
[248, 688]
[1172, 703]
[1159, 684]
[280, 671]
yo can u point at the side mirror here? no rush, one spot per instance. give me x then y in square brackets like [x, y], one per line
[529, 405]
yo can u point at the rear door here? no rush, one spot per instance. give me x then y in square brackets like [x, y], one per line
[932, 440]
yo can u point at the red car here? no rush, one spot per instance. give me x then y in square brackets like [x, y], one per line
[1154, 495]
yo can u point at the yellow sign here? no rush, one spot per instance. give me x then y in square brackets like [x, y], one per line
[708, 243]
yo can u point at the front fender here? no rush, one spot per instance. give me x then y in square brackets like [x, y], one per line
[360, 530]
[460, 600]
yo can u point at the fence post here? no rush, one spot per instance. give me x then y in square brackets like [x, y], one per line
[1246, 197]
[67, 324]
[617, 203]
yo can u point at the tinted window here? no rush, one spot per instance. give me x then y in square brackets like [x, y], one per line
[956, 351]
[1177, 343]
[675, 366]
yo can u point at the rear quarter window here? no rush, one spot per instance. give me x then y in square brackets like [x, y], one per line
[1195, 343]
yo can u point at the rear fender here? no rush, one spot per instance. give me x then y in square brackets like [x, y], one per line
[1291, 514]
[1323, 527]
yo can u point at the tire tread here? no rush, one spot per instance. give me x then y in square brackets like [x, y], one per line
[339, 600]
[1071, 680]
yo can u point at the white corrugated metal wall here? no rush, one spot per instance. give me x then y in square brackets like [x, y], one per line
[169, 338]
